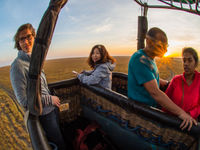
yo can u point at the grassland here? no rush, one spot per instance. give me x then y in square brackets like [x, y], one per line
[61, 69]
[13, 135]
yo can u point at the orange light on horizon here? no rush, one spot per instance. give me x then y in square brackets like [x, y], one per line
[172, 54]
[166, 54]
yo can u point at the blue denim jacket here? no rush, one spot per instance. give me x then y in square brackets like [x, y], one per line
[101, 75]
[19, 78]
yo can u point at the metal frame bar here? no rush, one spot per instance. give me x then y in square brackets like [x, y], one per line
[171, 4]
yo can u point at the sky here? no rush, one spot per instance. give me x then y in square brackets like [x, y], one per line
[84, 23]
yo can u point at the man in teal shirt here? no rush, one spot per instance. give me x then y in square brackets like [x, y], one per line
[144, 70]
[143, 77]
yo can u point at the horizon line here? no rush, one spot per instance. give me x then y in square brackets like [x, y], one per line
[56, 58]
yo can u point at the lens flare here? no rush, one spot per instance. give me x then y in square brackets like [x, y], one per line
[167, 54]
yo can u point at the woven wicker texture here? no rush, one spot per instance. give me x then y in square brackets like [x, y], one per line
[150, 130]
[70, 95]
[119, 85]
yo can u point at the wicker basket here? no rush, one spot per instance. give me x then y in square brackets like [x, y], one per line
[151, 131]
[71, 97]
[137, 124]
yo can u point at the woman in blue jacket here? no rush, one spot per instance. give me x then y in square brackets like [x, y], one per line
[102, 64]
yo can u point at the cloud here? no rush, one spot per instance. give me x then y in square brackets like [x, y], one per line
[83, 23]
[66, 9]
[74, 19]
[102, 28]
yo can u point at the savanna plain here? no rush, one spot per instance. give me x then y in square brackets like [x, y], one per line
[13, 134]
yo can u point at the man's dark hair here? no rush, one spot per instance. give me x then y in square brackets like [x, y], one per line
[157, 34]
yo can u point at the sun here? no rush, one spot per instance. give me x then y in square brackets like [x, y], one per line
[166, 54]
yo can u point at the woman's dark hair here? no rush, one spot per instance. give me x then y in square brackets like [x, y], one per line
[193, 52]
[21, 28]
[105, 57]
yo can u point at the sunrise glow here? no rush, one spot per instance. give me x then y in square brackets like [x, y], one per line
[76, 32]
[166, 54]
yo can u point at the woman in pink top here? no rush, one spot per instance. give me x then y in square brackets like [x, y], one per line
[184, 89]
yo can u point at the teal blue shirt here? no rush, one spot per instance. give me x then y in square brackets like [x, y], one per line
[141, 69]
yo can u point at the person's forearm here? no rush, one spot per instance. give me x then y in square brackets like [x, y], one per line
[87, 72]
[165, 102]
[163, 82]
[46, 100]
[89, 80]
